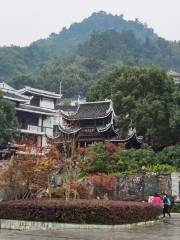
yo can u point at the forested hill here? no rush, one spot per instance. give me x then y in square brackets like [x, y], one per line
[83, 53]
[15, 60]
[99, 22]
[126, 48]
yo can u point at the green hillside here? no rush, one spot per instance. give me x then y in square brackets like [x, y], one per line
[82, 54]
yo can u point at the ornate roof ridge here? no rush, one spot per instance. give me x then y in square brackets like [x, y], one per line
[105, 101]
[70, 117]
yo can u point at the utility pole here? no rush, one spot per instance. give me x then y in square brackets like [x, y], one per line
[60, 88]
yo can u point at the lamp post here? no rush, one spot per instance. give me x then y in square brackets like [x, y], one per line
[143, 182]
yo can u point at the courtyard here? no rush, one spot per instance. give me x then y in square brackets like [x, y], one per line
[168, 229]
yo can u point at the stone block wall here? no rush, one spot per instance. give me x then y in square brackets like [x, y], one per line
[141, 186]
[175, 178]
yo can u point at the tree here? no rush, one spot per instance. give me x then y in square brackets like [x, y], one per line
[134, 160]
[100, 158]
[27, 175]
[8, 123]
[170, 155]
[144, 100]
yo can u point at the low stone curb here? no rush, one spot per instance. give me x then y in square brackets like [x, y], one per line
[32, 226]
[175, 214]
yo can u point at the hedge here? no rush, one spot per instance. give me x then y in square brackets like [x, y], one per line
[176, 208]
[80, 211]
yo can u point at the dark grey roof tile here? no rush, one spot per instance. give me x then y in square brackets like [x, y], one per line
[91, 110]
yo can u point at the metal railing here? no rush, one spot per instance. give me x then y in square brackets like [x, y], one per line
[37, 129]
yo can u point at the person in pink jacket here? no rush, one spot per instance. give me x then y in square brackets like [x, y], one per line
[156, 200]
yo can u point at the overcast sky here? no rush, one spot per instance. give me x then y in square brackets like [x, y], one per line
[24, 21]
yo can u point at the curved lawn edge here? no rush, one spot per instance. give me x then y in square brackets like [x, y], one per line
[7, 224]
[80, 211]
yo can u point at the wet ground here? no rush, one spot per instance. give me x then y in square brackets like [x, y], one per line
[169, 229]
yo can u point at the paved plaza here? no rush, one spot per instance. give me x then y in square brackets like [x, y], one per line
[167, 230]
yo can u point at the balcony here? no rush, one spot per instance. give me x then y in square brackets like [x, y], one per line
[37, 130]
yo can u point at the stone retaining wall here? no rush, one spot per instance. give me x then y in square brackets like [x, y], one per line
[143, 185]
[35, 226]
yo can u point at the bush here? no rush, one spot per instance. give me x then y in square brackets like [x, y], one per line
[176, 208]
[170, 155]
[81, 211]
[158, 168]
[133, 159]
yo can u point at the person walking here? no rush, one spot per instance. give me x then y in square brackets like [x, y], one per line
[156, 200]
[167, 206]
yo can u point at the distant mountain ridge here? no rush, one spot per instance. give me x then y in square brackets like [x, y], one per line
[100, 22]
[84, 52]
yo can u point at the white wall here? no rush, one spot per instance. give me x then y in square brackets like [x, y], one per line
[47, 103]
[175, 178]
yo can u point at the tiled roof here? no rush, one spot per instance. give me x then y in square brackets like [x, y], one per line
[91, 110]
[67, 108]
[14, 96]
[133, 135]
[33, 109]
[10, 93]
[35, 91]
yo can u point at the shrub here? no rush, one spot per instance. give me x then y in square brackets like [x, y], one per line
[170, 155]
[134, 159]
[176, 208]
[158, 168]
[81, 211]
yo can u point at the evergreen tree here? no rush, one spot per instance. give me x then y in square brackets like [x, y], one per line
[144, 100]
[8, 124]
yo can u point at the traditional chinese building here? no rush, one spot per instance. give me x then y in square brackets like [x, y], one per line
[41, 116]
[92, 122]
[35, 111]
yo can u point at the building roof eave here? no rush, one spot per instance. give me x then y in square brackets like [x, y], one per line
[133, 135]
[31, 132]
[40, 92]
[68, 131]
[13, 95]
[36, 111]
[15, 99]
